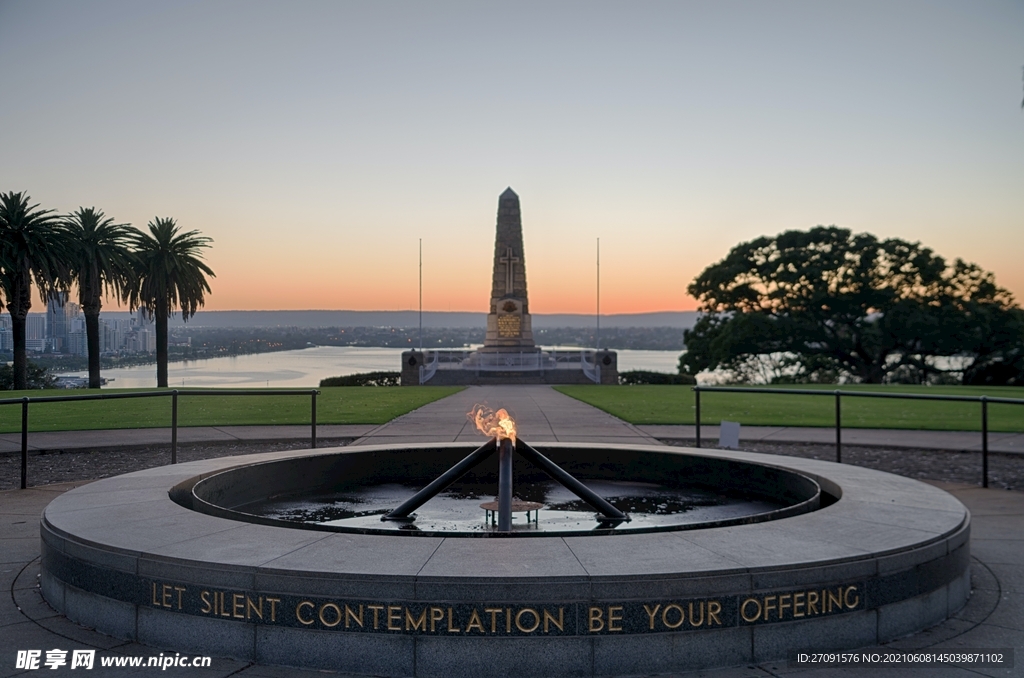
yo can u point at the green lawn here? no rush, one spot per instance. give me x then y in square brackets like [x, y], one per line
[342, 405]
[675, 405]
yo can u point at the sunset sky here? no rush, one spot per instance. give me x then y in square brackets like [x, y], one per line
[317, 142]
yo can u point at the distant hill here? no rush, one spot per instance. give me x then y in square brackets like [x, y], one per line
[678, 319]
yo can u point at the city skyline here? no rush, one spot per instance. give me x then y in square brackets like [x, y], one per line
[317, 143]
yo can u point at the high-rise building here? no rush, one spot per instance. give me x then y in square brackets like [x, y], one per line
[35, 332]
[57, 322]
[6, 335]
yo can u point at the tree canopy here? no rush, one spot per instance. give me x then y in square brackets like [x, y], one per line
[170, 273]
[825, 304]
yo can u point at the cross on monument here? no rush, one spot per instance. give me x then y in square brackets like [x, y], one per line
[509, 261]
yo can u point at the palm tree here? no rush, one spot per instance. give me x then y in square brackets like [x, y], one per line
[170, 273]
[33, 248]
[101, 262]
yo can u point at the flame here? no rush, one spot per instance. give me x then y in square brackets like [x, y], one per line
[493, 424]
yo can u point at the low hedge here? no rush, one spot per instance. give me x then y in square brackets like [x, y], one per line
[365, 379]
[633, 377]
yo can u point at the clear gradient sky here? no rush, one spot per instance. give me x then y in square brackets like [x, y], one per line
[316, 142]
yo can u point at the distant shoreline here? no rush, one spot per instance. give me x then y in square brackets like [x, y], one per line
[408, 319]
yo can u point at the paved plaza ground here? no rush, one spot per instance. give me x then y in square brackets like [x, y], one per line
[993, 618]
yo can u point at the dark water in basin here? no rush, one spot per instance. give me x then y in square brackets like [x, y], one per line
[458, 508]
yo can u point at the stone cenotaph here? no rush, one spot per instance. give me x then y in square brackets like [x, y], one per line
[509, 354]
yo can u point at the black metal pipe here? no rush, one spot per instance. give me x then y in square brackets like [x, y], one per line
[599, 503]
[984, 441]
[440, 483]
[696, 396]
[174, 427]
[505, 451]
[158, 394]
[860, 394]
[24, 443]
[839, 431]
[312, 419]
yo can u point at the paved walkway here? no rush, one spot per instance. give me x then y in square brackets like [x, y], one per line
[994, 617]
[872, 437]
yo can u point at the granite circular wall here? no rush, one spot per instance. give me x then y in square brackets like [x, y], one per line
[889, 556]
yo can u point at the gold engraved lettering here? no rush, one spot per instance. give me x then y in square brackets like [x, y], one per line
[335, 614]
[714, 607]
[377, 609]
[835, 600]
[700, 608]
[846, 597]
[350, 616]
[651, 613]
[494, 612]
[451, 627]
[273, 607]
[223, 606]
[784, 604]
[394, 615]
[156, 603]
[548, 617]
[596, 619]
[415, 624]
[750, 617]
[436, 615]
[180, 590]
[238, 606]
[251, 607]
[205, 597]
[298, 612]
[798, 604]
[474, 622]
[769, 605]
[519, 620]
[613, 617]
[509, 326]
[165, 595]
[508, 620]
[664, 616]
[812, 602]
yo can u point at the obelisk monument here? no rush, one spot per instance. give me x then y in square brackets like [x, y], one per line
[508, 321]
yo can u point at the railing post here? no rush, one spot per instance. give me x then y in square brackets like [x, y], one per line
[312, 418]
[984, 441]
[696, 397]
[174, 426]
[839, 431]
[24, 443]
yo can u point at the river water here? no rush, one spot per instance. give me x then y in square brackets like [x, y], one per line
[306, 367]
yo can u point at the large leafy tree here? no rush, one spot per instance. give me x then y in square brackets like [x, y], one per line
[33, 250]
[102, 263]
[819, 304]
[170, 274]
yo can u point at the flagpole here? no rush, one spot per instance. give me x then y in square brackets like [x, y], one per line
[598, 294]
[421, 295]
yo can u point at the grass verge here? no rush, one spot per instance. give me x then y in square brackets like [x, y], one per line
[675, 405]
[340, 405]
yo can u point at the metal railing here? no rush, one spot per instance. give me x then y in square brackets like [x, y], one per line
[173, 394]
[838, 395]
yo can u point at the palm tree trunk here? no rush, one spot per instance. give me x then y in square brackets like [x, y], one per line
[18, 305]
[92, 336]
[20, 359]
[161, 343]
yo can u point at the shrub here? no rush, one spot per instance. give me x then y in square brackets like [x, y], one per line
[38, 377]
[365, 379]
